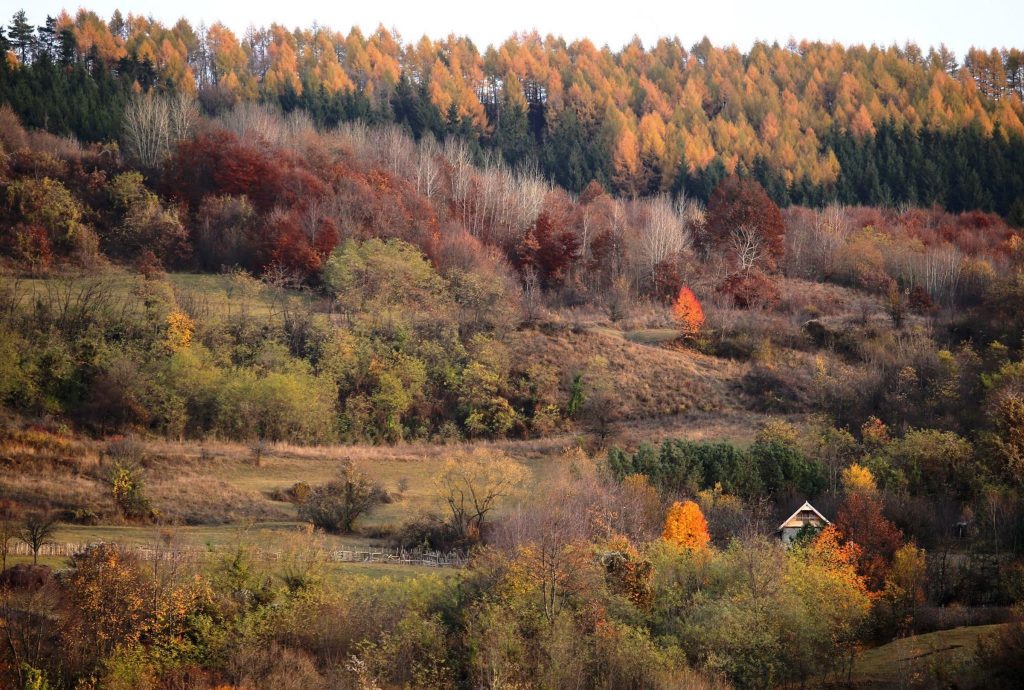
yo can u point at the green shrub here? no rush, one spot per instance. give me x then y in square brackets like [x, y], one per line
[934, 461]
[782, 467]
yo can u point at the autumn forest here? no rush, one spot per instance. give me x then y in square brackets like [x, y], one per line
[352, 360]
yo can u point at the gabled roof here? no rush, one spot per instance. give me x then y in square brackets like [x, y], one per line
[805, 506]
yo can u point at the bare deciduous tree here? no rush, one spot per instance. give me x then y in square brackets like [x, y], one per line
[747, 247]
[833, 230]
[814, 239]
[532, 299]
[397, 151]
[461, 170]
[664, 232]
[37, 530]
[152, 124]
[428, 171]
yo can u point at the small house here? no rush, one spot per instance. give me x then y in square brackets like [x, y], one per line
[806, 515]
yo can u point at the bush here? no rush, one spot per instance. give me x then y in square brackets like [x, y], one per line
[750, 289]
[935, 461]
[299, 492]
[49, 204]
[291, 405]
[335, 506]
[128, 492]
[427, 532]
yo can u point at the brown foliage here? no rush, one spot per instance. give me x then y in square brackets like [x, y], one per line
[668, 280]
[861, 521]
[12, 134]
[30, 244]
[550, 247]
[749, 290]
[736, 203]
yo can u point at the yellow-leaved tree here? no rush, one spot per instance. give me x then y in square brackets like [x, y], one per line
[686, 527]
[180, 329]
[858, 479]
[472, 485]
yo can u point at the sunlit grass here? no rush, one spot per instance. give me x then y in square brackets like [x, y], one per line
[900, 660]
[211, 295]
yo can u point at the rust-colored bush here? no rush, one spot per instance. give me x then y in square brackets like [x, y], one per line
[749, 290]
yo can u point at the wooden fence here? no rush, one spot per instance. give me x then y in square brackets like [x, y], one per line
[342, 554]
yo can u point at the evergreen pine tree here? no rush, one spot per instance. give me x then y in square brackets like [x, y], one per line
[512, 134]
[22, 36]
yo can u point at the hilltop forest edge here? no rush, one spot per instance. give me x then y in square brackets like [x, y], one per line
[812, 122]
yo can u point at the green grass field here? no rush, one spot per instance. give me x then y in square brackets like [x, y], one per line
[202, 294]
[915, 661]
[332, 571]
[652, 336]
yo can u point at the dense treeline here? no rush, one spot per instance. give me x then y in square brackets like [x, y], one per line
[813, 122]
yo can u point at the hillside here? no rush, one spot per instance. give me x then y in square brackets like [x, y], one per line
[936, 657]
[336, 361]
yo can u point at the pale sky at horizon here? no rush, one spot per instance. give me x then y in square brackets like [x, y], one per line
[982, 23]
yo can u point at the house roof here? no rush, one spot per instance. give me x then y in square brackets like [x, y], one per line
[792, 522]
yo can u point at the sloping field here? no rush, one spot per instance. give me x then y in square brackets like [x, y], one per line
[654, 381]
[924, 660]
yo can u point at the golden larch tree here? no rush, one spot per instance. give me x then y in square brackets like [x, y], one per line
[686, 527]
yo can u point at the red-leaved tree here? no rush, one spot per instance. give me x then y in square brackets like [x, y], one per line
[745, 223]
[861, 521]
[549, 249]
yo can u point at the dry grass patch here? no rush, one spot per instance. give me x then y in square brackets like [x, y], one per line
[654, 381]
[41, 469]
[807, 299]
[738, 427]
[216, 483]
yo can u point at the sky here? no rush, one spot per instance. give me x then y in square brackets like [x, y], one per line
[958, 24]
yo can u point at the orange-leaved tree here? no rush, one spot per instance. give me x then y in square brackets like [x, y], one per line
[686, 527]
[687, 312]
